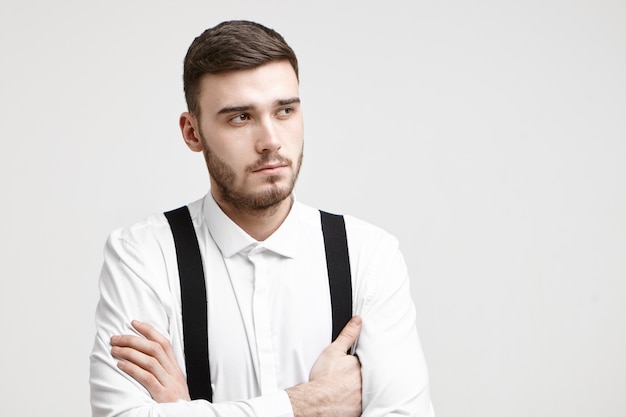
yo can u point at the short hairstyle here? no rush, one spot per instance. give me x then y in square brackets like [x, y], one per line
[230, 46]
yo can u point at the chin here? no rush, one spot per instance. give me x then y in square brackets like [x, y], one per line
[272, 197]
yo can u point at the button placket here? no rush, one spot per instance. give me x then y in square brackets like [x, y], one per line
[262, 322]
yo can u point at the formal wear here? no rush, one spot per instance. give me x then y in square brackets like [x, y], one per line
[269, 315]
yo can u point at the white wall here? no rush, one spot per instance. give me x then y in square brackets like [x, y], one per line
[488, 136]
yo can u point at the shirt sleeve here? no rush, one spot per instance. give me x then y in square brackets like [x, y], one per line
[133, 289]
[394, 372]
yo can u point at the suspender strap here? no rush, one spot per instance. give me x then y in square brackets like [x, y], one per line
[194, 303]
[338, 264]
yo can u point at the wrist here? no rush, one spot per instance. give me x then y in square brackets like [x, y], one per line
[308, 400]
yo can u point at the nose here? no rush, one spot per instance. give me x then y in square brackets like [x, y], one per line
[267, 137]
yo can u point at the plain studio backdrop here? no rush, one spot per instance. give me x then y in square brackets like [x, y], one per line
[488, 136]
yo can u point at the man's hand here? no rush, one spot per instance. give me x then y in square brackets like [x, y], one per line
[334, 387]
[151, 362]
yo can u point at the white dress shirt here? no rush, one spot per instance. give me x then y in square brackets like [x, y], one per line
[269, 315]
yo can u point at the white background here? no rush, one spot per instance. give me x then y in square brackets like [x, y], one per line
[488, 136]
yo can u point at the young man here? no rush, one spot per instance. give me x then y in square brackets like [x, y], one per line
[268, 298]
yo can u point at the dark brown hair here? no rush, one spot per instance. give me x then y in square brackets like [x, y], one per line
[230, 46]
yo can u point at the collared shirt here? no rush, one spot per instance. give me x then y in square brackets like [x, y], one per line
[269, 315]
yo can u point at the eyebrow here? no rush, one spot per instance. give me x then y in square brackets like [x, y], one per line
[277, 103]
[288, 101]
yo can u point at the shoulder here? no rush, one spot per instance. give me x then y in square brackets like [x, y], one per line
[375, 257]
[368, 242]
[151, 232]
[362, 235]
[150, 229]
[362, 229]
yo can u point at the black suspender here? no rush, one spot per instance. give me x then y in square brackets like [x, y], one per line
[338, 264]
[194, 304]
[193, 291]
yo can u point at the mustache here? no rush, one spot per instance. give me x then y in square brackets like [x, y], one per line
[266, 159]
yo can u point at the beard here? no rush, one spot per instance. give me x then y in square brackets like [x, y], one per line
[224, 178]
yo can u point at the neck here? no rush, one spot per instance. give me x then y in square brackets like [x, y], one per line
[258, 223]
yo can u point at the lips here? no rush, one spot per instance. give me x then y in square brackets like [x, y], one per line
[269, 164]
[270, 167]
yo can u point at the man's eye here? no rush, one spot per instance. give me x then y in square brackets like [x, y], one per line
[285, 112]
[240, 118]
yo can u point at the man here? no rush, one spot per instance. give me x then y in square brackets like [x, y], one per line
[269, 309]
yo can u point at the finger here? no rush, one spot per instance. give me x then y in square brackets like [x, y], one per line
[348, 334]
[145, 353]
[147, 362]
[142, 361]
[160, 350]
[142, 344]
[154, 345]
[138, 343]
[150, 333]
[145, 378]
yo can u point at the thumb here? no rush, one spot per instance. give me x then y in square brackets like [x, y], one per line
[348, 334]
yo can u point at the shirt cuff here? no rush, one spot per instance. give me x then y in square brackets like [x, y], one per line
[276, 404]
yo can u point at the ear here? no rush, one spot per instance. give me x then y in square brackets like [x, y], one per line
[190, 130]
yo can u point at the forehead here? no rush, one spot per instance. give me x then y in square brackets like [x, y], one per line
[256, 87]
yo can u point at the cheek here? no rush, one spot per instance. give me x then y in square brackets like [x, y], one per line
[232, 150]
[296, 138]
[237, 159]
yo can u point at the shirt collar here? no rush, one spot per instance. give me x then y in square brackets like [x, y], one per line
[232, 239]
